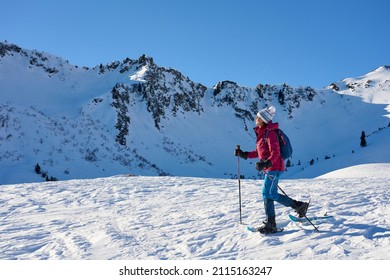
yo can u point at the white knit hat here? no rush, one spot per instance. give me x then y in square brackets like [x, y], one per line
[267, 114]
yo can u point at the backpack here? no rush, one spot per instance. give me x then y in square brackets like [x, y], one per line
[284, 143]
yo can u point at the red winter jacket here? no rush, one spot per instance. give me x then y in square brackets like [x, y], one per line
[268, 150]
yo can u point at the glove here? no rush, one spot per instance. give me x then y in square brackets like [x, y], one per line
[239, 153]
[263, 164]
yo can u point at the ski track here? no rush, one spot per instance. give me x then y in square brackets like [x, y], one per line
[189, 218]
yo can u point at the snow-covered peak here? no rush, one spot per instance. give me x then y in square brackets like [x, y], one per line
[381, 70]
[373, 87]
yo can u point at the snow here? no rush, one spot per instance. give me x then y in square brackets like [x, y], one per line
[188, 218]
[138, 76]
[374, 170]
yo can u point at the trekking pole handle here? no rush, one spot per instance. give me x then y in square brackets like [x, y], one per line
[237, 148]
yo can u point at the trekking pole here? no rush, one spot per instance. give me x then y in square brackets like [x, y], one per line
[239, 181]
[316, 228]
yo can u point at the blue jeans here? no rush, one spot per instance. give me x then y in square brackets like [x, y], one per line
[270, 193]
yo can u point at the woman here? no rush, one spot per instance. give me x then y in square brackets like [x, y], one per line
[272, 164]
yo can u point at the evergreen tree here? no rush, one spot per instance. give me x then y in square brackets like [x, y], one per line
[38, 169]
[363, 141]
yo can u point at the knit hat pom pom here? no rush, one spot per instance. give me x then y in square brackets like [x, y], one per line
[267, 114]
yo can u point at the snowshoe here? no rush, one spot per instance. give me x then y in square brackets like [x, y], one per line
[269, 227]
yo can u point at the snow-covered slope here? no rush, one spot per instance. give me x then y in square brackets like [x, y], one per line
[182, 218]
[134, 117]
[373, 170]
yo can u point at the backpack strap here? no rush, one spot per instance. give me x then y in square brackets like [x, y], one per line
[266, 133]
[265, 136]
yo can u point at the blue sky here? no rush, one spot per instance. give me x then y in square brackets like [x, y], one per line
[300, 42]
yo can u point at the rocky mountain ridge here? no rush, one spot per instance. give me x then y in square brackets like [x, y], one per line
[137, 117]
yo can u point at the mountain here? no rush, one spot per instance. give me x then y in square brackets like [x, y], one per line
[135, 117]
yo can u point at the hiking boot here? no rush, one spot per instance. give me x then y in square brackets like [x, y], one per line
[269, 227]
[301, 208]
